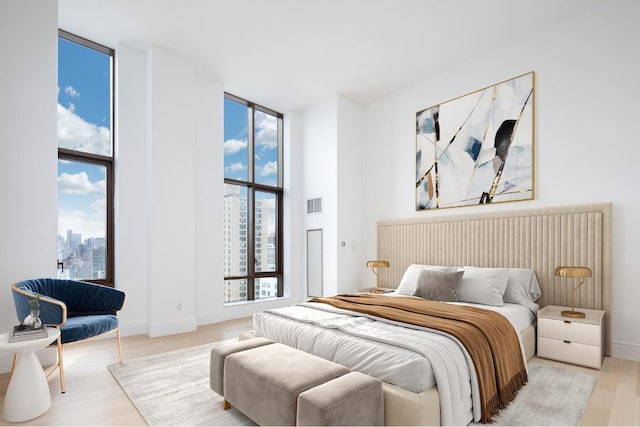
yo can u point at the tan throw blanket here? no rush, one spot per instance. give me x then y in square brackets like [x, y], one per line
[488, 337]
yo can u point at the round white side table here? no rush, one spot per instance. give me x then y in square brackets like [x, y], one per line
[28, 391]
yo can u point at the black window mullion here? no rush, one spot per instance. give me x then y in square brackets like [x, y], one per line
[251, 255]
[279, 249]
[251, 212]
[252, 188]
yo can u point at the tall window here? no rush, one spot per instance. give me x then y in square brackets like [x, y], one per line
[252, 201]
[85, 160]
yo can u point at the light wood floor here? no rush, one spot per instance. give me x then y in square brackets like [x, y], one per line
[93, 397]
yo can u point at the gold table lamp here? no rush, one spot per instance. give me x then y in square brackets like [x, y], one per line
[377, 264]
[575, 272]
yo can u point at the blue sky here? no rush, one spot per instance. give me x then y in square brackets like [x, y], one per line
[84, 124]
[235, 138]
[87, 73]
[235, 144]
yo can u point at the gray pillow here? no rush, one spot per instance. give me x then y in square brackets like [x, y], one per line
[438, 285]
[409, 282]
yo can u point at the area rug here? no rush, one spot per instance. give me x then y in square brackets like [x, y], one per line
[173, 389]
[170, 389]
[552, 397]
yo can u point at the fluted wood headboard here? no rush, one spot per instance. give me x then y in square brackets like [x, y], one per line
[541, 239]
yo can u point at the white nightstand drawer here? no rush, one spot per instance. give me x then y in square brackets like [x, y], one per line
[569, 330]
[571, 352]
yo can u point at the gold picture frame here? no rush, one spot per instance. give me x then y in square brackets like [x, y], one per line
[477, 148]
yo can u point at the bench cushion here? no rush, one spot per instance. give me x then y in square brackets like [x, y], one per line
[354, 399]
[220, 353]
[264, 382]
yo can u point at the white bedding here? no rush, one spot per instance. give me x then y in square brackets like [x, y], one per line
[398, 355]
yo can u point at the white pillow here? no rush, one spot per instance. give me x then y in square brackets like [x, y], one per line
[522, 288]
[483, 285]
[409, 282]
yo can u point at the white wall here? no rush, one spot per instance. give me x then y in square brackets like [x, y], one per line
[350, 188]
[332, 159]
[172, 230]
[131, 184]
[586, 146]
[294, 209]
[210, 192]
[28, 148]
[320, 179]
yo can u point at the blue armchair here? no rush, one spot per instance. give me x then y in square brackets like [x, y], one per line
[81, 310]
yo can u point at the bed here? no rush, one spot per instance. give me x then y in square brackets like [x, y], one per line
[534, 240]
[408, 359]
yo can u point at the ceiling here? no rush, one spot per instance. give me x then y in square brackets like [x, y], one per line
[290, 54]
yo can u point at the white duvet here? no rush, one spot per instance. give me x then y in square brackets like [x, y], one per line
[410, 357]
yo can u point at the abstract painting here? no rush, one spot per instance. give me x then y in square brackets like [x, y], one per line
[478, 148]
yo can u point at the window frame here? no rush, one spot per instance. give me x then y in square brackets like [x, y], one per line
[252, 187]
[108, 162]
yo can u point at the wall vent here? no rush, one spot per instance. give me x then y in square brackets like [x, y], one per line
[314, 205]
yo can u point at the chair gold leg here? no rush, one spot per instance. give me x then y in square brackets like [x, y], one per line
[119, 345]
[61, 365]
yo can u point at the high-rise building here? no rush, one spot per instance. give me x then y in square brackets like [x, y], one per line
[235, 246]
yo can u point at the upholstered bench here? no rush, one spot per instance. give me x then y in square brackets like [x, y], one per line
[247, 335]
[219, 355]
[264, 383]
[353, 399]
[274, 384]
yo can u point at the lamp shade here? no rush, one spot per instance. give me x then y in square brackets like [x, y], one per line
[378, 264]
[573, 271]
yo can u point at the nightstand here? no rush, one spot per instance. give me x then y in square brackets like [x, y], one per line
[571, 340]
[374, 290]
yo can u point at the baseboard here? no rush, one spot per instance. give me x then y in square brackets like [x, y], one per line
[170, 327]
[133, 328]
[626, 351]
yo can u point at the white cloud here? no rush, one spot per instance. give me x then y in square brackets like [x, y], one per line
[72, 107]
[99, 205]
[69, 90]
[86, 224]
[270, 168]
[77, 134]
[232, 146]
[235, 167]
[79, 184]
[266, 131]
